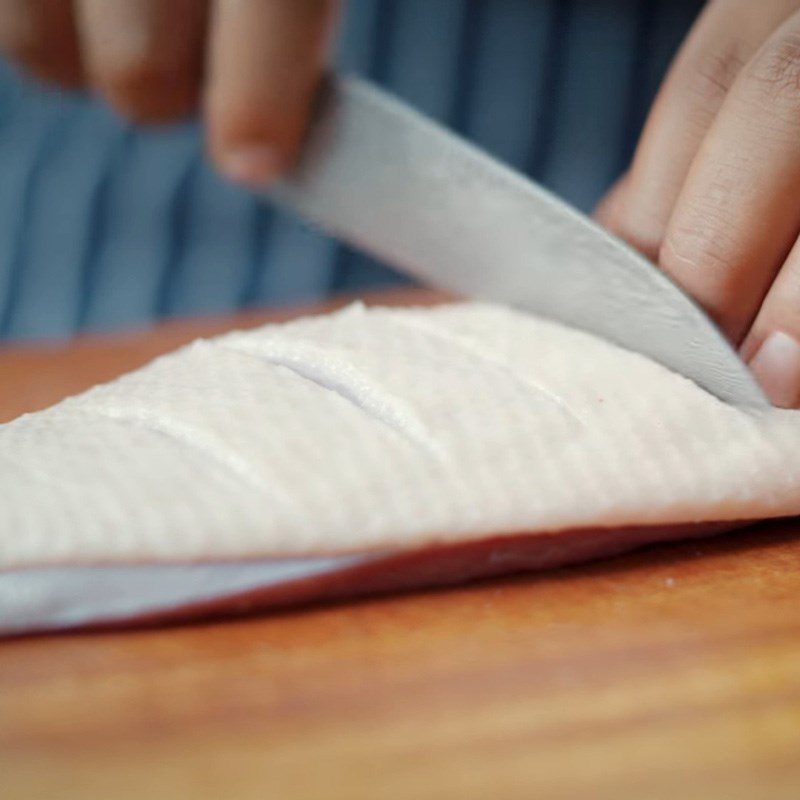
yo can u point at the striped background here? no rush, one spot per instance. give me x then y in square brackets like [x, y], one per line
[105, 226]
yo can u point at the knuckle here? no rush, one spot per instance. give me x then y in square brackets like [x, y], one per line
[701, 245]
[776, 69]
[699, 256]
[714, 72]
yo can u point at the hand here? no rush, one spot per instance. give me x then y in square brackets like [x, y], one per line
[253, 65]
[713, 193]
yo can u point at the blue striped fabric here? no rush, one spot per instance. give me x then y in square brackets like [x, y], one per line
[104, 226]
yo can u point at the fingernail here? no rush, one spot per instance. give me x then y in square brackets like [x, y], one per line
[253, 165]
[776, 366]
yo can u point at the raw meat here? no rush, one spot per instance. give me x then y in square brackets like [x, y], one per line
[366, 450]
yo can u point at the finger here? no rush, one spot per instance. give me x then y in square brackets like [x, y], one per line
[40, 35]
[772, 347]
[608, 209]
[737, 216]
[725, 37]
[144, 56]
[266, 58]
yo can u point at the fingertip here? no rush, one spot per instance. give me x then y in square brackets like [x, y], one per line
[265, 63]
[250, 164]
[251, 142]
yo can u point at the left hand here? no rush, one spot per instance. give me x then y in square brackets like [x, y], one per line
[713, 193]
[253, 66]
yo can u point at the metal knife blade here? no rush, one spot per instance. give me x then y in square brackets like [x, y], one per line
[381, 176]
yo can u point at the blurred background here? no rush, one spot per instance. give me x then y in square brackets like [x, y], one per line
[105, 225]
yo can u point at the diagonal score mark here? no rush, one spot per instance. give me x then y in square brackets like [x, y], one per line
[483, 354]
[329, 370]
[191, 436]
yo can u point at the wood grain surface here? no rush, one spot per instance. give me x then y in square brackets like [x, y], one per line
[673, 672]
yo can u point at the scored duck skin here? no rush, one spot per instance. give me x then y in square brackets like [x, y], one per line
[406, 442]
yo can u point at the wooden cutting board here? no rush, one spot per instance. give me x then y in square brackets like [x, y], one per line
[669, 673]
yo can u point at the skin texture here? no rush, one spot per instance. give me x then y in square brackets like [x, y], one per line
[710, 194]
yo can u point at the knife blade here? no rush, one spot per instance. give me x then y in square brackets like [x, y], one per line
[381, 176]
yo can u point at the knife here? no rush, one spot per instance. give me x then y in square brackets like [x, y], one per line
[384, 178]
